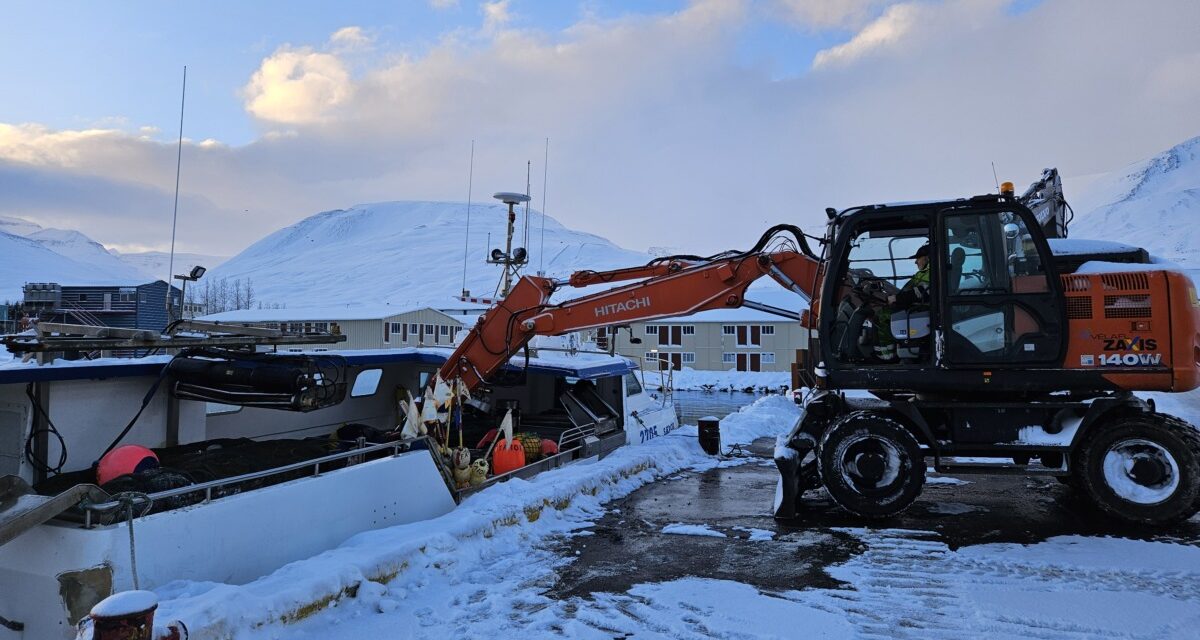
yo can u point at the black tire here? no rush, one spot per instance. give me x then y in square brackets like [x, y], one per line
[1165, 492]
[871, 465]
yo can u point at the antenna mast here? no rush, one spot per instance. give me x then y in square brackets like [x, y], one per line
[512, 259]
[467, 235]
[528, 169]
[542, 246]
[175, 211]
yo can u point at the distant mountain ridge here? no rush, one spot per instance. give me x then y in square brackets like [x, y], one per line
[1153, 203]
[408, 252]
[70, 257]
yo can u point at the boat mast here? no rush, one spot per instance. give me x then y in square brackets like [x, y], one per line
[175, 212]
[467, 235]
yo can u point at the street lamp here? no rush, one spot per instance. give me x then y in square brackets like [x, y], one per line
[195, 274]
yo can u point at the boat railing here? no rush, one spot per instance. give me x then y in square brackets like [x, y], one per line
[352, 456]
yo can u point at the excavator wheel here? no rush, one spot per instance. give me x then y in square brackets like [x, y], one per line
[1142, 468]
[871, 465]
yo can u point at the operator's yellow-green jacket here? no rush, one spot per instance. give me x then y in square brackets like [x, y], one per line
[915, 291]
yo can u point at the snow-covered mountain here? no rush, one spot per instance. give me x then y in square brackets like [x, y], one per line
[26, 260]
[83, 249]
[153, 265]
[406, 252]
[1153, 203]
[70, 257]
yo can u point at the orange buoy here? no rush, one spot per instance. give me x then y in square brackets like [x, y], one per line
[508, 456]
[126, 459]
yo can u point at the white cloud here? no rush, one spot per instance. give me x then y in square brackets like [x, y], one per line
[350, 38]
[886, 30]
[443, 4]
[826, 13]
[495, 15]
[297, 86]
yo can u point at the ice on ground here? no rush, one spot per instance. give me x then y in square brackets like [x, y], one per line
[945, 480]
[953, 508]
[757, 535]
[684, 529]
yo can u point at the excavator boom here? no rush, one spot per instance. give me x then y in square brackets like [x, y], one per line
[666, 288]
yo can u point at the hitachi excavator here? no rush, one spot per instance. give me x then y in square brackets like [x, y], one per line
[1022, 357]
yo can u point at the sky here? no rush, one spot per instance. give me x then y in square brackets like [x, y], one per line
[690, 124]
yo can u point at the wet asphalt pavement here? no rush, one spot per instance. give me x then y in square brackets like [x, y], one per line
[628, 547]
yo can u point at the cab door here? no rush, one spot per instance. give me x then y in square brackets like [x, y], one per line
[1001, 300]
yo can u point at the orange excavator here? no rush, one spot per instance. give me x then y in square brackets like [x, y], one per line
[1020, 354]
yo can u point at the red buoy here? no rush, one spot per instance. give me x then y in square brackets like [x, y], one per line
[125, 459]
[509, 456]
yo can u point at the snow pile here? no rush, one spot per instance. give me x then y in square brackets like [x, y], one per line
[488, 541]
[689, 379]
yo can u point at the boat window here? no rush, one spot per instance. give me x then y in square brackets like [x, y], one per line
[216, 408]
[366, 383]
[632, 386]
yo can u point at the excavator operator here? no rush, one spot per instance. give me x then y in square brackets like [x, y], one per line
[914, 295]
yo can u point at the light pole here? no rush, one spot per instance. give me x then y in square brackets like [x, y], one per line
[195, 274]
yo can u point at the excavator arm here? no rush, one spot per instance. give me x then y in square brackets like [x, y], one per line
[666, 288]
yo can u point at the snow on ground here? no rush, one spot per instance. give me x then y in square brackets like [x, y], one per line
[461, 574]
[694, 380]
[485, 569]
[683, 529]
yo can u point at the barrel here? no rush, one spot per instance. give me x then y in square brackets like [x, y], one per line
[710, 435]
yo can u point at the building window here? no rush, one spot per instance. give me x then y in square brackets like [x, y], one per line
[768, 329]
[768, 358]
[444, 329]
[728, 330]
[651, 330]
[321, 327]
[671, 335]
[688, 358]
[748, 336]
[728, 358]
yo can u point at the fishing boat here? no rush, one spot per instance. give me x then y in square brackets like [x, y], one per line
[259, 459]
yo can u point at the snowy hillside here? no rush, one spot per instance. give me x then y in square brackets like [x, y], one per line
[153, 265]
[84, 250]
[70, 257]
[405, 252]
[1154, 204]
[25, 260]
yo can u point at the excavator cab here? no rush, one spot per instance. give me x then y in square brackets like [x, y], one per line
[992, 299]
